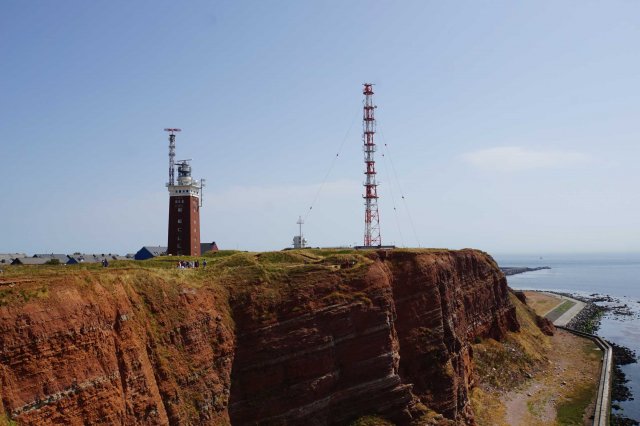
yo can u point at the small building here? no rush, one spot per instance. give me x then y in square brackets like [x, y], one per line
[148, 252]
[118, 257]
[75, 259]
[30, 261]
[78, 258]
[299, 242]
[7, 258]
[207, 247]
[62, 258]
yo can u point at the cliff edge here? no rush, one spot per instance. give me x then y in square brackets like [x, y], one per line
[301, 337]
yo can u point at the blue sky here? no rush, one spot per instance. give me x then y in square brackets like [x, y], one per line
[512, 126]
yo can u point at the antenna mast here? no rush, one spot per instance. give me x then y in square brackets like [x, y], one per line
[172, 154]
[203, 183]
[298, 241]
[371, 215]
[300, 222]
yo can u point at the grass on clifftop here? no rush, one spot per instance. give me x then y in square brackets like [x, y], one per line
[266, 280]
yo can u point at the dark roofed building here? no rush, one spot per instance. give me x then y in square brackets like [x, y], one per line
[148, 252]
[84, 258]
[29, 261]
[62, 258]
[206, 247]
[9, 257]
[77, 258]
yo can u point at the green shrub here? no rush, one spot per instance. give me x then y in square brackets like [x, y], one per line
[371, 421]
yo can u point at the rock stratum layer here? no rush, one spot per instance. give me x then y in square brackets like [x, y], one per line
[294, 338]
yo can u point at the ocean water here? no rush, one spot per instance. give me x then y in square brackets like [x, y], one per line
[615, 275]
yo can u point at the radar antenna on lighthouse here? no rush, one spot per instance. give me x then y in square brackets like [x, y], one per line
[172, 154]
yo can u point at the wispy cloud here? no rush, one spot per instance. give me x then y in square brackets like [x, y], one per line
[515, 158]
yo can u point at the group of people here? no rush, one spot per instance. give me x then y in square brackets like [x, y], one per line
[184, 264]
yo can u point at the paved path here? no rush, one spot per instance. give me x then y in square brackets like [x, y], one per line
[564, 319]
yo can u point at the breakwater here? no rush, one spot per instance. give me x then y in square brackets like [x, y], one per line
[513, 270]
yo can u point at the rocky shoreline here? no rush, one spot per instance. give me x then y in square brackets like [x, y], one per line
[588, 319]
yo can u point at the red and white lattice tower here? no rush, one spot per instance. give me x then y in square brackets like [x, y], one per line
[371, 215]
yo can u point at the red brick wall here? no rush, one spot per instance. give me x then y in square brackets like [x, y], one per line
[184, 226]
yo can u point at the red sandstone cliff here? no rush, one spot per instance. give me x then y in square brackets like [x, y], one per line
[317, 343]
[115, 351]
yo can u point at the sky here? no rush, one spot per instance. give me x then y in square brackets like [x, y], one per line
[510, 127]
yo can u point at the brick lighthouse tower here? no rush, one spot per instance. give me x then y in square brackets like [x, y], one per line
[185, 200]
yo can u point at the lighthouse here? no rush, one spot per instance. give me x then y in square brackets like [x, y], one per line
[185, 200]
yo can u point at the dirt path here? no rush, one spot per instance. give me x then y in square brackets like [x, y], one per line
[561, 384]
[566, 386]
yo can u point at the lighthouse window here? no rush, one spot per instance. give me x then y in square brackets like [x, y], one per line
[179, 209]
[179, 229]
[179, 220]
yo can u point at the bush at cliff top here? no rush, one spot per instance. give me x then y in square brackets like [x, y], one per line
[371, 421]
[220, 253]
[6, 421]
[282, 257]
[237, 260]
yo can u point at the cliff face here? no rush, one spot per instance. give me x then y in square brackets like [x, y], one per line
[96, 351]
[314, 340]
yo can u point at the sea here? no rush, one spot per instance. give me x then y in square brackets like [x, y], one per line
[615, 275]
